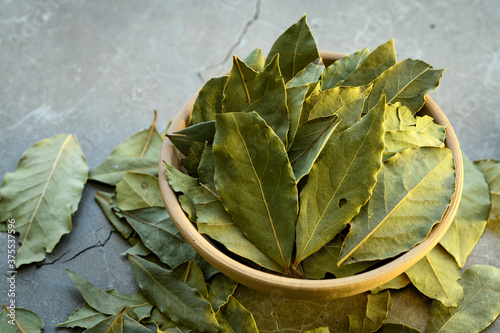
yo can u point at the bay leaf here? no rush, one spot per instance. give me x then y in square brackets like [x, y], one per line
[342, 68]
[256, 184]
[296, 47]
[325, 261]
[395, 221]
[350, 166]
[255, 60]
[398, 282]
[426, 124]
[399, 117]
[406, 82]
[265, 93]
[377, 62]
[399, 140]
[324, 329]
[215, 221]
[139, 249]
[206, 169]
[309, 74]
[138, 190]
[308, 143]
[165, 324]
[437, 276]
[84, 317]
[221, 289]
[191, 274]
[479, 307]
[25, 321]
[472, 213]
[42, 194]
[491, 171]
[181, 183]
[196, 134]
[369, 317]
[182, 303]
[235, 318]
[396, 328]
[107, 202]
[111, 302]
[192, 160]
[334, 101]
[119, 322]
[159, 234]
[294, 99]
[209, 100]
[140, 153]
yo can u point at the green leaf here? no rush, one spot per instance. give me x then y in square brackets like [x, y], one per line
[324, 329]
[119, 322]
[159, 234]
[191, 274]
[264, 92]
[325, 261]
[197, 134]
[334, 101]
[209, 100]
[255, 60]
[399, 117]
[206, 169]
[437, 276]
[296, 47]
[85, 317]
[111, 302]
[183, 304]
[342, 68]
[406, 82]
[181, 182]
[294, 99]
[377, 62]
[235, 318]
[138, 190]
[139, 249]
[426, 124]
[215, 221]
[398, 282]
[164, 323]
[394, 221]
[107, 202]
[399, 140]
[369, 318]
[472, 213]
[139, 153]
[491, 171]
[25, 321]
[396, 328]
[350, 167]
[192, 161]
[42, 194]
[479, 307]
[309, 141]
[310, 74]
[221, 289]
[256, 184]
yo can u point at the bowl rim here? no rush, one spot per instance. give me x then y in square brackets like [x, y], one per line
[306, 288]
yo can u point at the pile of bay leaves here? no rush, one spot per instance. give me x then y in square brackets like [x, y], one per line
[342, 152]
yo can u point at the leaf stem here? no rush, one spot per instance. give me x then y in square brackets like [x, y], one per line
[150, 135]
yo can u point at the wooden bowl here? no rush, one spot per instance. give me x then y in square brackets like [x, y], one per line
[302, 288]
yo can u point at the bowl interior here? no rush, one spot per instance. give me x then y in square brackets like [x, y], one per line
[299, 288]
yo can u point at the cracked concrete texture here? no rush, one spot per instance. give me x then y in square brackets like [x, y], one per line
[99, 69]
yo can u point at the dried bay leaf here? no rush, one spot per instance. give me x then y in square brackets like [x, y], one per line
[394, 221]
[479, 307]
[437, 276]
[398, 282]
[472, 213]
[165, 324]
[192, 161]
[350, 166]
[235, 318]
[140, 153]
[264, 92]
[491, 171]
[139, 249]
[197, 134]
[191, 274]
[324, 329]
[396, 328]
[42, 194]
[369, 317]
[221, 289]
[182, 303]
[206, 169]
[296, 47]
[84, 317]
[209, 100]
[214, 221]
[25, 321]
[181, 183]
[255, 183]
[138, 190]
[377, 62]
[255, 60]
[399, 140]
[342, 68]
[406, 82]
[119, 322]
[294, 99]
[308, 75]
[308, 143]
[107, 202]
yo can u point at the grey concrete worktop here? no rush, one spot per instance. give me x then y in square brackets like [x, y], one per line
[98, 69]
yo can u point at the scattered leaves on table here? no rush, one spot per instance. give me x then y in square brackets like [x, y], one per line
[23, 321]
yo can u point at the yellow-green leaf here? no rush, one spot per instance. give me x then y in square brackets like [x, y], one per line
[491, 171]
[84, 317]
[209, 100]
[235, 318]
[398, 282]
[369, 317]
[221, 289]
[138, 190]
[255, 60]
[190, 273]
[342, 68]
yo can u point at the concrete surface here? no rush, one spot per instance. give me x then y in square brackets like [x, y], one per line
[98, 69]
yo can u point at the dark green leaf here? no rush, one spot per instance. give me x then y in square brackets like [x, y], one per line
[107, 202]
[206, 169]
[192, 160]
[209, 100]
[197, 134]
